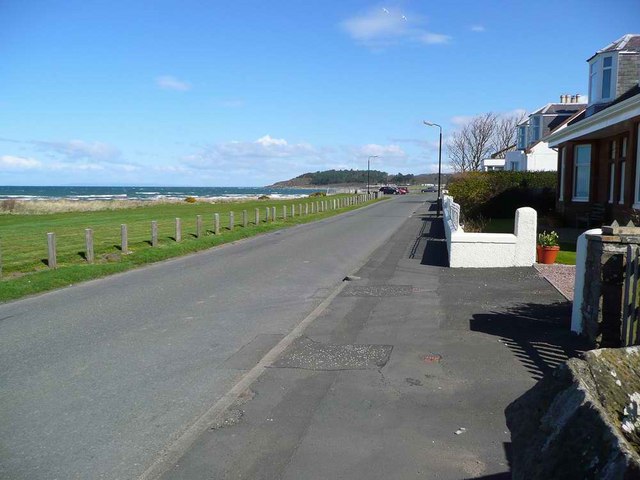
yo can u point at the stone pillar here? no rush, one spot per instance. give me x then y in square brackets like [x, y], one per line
[603, 290]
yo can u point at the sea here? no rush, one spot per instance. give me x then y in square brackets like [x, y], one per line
[148, 193]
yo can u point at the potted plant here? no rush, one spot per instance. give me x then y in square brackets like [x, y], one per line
[548, 247]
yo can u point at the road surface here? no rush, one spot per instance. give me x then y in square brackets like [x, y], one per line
[99, 378]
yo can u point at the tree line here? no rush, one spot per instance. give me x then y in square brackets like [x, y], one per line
[329, 177]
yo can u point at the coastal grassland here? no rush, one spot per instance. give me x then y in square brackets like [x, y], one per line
[23, 239]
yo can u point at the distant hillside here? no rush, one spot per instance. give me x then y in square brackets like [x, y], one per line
[357, 177]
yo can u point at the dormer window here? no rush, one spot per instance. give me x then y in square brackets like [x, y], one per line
[522, 137]
[602, 74]
[535, 129]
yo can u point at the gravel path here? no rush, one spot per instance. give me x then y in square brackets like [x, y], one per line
[560, 276]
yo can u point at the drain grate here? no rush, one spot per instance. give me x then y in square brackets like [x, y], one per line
[378, 291]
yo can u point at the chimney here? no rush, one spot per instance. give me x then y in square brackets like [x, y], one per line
[573, 99]
[577, 98]
[563, 99]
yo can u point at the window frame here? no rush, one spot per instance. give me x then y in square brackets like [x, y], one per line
[576, 168]
[563, 166]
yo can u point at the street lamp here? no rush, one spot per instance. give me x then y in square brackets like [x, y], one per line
[431, 124]
[368, 168]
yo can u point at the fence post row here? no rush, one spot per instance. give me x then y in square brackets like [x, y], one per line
[267, 214]
[231, 220]
[257, 216]
[88, 240]
[284, 212]
[274, 214]
[216, 223]
[51, 247]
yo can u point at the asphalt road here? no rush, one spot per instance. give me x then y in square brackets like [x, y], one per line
[98, 378]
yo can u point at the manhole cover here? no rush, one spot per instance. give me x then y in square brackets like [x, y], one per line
[378, 291]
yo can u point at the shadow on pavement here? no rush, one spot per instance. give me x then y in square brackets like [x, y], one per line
[435, 245]
[538, 334]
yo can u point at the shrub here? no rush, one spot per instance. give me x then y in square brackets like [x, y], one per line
[190, 200]
[8, 205]
[500, 194]
[318, 194]
[264, 197]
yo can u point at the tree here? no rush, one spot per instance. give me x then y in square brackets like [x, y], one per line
[478, 139]
[505, 133]
[474, 142]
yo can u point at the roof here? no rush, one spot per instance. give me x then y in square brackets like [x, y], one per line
[556, 127]
[559, 109]
[581, 126]
[627, 43]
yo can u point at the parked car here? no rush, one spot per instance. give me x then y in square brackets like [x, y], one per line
[429, 189]
[389, 190]
[403, 190]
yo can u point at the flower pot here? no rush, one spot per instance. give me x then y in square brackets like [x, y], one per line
[549, 254]
[539, 253]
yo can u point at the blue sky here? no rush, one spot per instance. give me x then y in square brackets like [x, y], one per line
[245, 93]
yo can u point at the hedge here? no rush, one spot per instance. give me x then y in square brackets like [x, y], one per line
[499, 194]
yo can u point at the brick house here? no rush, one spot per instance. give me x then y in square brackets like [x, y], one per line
[598, 154]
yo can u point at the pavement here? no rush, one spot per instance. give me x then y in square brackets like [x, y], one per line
[403, 373]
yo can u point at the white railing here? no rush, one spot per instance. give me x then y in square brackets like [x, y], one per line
[483, 250]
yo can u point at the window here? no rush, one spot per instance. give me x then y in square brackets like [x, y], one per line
[582, 172]
[593, 80]
[522, 137]
[602, 78]
[637, 185]
[612, 180]
[607, 67]
[562, 167]
[535, 129]
[621, 197]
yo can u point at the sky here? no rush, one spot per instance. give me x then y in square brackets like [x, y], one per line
[250, 92]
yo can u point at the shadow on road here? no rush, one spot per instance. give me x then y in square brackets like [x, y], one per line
[432, 242]
[538, 334]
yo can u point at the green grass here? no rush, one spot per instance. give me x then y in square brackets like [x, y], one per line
[23, 239]
[567, 254]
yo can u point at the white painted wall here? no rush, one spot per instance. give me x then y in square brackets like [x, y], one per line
[492, 163]
[540, 158]
[486, 250]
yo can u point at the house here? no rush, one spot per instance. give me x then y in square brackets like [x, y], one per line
[496, 161]
[532, 151]
[598, 171]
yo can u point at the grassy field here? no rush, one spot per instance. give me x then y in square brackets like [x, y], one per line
[23, 239]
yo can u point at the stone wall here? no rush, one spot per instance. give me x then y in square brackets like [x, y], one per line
[582, 421]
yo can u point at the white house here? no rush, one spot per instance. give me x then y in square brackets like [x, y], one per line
[532, 150]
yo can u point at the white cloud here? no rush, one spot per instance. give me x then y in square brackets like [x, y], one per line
[12, 163]
[168, 82]
[79, 149]
[435, 38]
[478, 28]
[383, 151]
[380, 27]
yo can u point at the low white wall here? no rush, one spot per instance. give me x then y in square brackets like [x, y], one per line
[485, 250]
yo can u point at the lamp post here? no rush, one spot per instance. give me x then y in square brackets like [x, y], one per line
[431, 124]
[369, 168]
